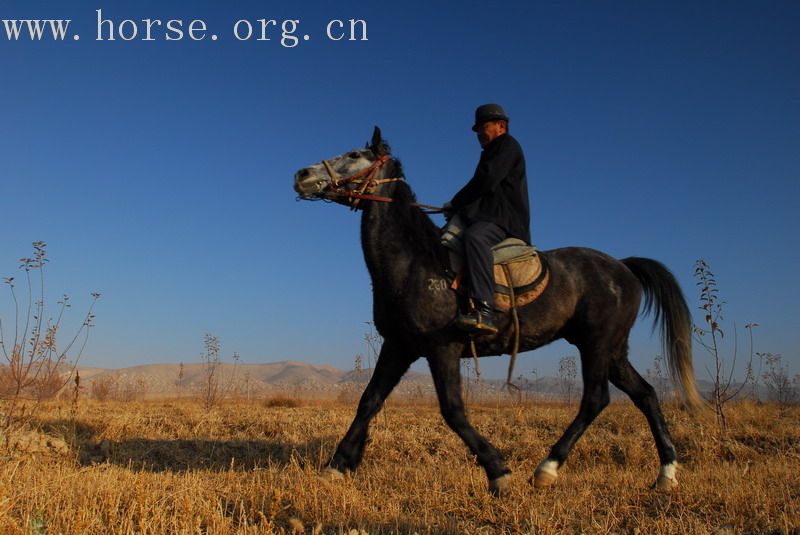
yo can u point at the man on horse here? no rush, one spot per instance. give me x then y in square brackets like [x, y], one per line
[493, 206]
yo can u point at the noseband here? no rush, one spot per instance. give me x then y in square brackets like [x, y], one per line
[364, 186]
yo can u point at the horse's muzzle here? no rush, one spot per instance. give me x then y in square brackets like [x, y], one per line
[309, 185]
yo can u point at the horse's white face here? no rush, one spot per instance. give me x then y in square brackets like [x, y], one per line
[314, 181]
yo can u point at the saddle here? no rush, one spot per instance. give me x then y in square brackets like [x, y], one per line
[520, 273]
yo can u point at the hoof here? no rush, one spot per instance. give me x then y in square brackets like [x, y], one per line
[330, 473]
[500, 486]
[545, 474]
[666, 478]
[665, 484]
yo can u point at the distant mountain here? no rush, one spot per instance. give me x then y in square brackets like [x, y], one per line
[304, 379]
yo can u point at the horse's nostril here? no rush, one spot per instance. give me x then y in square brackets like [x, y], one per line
[303, 173]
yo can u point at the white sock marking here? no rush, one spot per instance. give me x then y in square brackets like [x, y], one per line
[548, 466]
[668, 470]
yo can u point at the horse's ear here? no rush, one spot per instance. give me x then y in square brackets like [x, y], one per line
[377, 144]
[377, 138]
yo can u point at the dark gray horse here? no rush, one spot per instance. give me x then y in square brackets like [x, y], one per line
[592, 301]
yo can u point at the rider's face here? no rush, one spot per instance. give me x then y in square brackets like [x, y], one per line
[490, 130]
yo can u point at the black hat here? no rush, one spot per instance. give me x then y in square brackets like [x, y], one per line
[488, 112]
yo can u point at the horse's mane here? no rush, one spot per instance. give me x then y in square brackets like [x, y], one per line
[395, 166]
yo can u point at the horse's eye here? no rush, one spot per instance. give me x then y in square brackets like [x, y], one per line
[355, 155]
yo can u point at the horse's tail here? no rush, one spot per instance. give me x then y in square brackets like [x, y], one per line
[664, 297]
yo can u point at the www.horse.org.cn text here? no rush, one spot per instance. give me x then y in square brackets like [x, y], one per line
[285, 32]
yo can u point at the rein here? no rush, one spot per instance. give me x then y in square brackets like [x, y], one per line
[365, 186]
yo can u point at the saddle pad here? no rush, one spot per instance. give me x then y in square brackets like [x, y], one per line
[529, 278]
[512, 250]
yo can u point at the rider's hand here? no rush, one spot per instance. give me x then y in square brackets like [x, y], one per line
[448, 210]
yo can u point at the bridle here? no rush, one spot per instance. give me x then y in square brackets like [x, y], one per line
[363, 186]
[366, 183]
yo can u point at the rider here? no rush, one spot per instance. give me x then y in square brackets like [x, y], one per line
[493, 206]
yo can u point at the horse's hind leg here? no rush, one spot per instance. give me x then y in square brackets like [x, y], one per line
[445, 369]
[393, 362]
[594, 367]
[627, 379]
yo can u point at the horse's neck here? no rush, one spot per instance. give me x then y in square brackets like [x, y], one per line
[388, 261]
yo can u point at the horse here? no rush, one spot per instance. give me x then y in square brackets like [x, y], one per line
[591, 301]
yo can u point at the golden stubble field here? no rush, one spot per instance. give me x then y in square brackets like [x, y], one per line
[252, 467]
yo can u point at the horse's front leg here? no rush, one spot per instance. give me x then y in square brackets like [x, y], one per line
[393, 362]
[445, 366]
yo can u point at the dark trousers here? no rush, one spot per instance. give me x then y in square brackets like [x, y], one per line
[478, 239]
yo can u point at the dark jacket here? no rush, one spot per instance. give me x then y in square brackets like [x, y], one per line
[498, 192]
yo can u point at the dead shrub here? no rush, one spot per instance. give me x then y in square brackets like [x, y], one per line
[281, 401]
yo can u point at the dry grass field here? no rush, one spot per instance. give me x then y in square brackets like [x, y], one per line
[252, 467]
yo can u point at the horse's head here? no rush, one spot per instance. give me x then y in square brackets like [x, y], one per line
[344, 177]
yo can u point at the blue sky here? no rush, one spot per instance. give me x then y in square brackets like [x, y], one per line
[160, 173]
